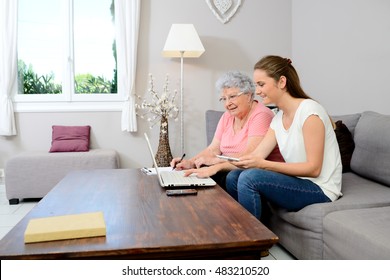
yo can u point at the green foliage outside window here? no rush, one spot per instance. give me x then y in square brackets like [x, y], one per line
[87, 83]
[32, 83]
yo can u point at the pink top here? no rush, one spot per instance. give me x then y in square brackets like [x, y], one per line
[257, 125]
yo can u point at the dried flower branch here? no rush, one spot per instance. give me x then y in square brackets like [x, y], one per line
[160, 107]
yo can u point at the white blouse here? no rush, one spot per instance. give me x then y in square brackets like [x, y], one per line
[292, 146]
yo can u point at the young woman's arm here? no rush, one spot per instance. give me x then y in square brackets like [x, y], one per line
[314, 138]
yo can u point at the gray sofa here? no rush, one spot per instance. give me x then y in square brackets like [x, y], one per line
[33, 174]
[357, 225]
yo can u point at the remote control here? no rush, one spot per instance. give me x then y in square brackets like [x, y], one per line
[181, 192]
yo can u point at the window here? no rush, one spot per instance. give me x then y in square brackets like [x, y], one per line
[66, 51]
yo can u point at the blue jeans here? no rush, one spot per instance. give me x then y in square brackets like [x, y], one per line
[249, 187]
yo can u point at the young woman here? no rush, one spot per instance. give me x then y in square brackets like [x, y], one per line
[304, 133]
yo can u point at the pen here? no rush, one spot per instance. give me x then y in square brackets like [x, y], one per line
[182, 157]
[146, 170]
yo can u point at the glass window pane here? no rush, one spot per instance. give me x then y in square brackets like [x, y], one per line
[94, 39]
[40, 44]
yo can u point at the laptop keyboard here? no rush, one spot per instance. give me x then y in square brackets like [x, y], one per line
[178, 178]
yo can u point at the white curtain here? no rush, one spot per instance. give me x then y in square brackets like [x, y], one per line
[8, 65]
[127, 13]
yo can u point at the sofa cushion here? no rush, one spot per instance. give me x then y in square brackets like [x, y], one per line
[346, 144]
[70, 138]
[350, 120]
[43, 170]
[358, 192]
[212, 119]
[357, 234]
[301, 232]
[371, 157]
[302, 243]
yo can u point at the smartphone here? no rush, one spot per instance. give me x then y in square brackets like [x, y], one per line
[181, 192]
[228, 158]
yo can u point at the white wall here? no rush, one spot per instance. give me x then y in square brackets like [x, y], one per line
[341, 49]
[260, 27]
[235, 45]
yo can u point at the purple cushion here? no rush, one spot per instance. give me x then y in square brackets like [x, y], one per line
[70, 138]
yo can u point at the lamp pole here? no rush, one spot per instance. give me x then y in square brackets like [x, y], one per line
[182, 41]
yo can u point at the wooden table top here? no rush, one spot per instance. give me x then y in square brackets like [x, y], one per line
[142, 221]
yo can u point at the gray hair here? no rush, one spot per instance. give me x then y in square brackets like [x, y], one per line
[236, 79]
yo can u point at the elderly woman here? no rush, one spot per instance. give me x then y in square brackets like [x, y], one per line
[239, 131]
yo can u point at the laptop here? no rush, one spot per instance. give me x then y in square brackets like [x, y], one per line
[173, 179]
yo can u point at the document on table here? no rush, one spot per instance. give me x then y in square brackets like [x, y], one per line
[152, 170]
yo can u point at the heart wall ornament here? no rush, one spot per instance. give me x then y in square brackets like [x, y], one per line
[224, 10]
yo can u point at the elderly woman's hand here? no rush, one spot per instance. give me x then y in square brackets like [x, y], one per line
[181, 165]
[202, 172]
[200, 161]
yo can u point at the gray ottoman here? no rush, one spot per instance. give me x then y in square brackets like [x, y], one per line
[34, 174]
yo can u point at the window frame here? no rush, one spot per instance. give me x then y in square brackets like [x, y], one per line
[68, 100]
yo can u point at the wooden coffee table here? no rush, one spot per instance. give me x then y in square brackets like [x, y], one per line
[143, 222]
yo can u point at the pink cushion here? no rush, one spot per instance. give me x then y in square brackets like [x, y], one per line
[70, 138]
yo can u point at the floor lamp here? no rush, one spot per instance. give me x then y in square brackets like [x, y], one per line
[182, 41]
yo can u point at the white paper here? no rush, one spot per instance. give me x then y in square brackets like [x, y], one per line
[152, 170]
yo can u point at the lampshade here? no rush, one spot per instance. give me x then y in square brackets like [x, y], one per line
[183, 39]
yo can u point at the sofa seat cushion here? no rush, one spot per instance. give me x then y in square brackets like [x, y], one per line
[302, 243]
[33, 174]
[357, 234]
[358, 193]
[301, 232]
[371, 157]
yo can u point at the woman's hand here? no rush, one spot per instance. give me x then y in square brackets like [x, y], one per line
[206, 161]
[249, 161]
[202, 172]
[183, 164]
